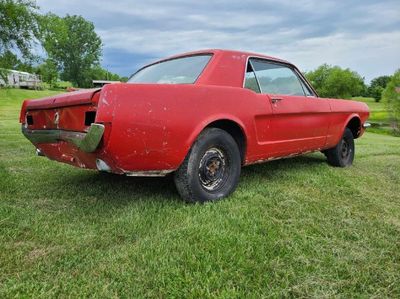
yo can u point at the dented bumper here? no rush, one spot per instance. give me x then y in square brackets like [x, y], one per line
[87, 142]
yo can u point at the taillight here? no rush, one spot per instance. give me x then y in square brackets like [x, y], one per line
[29, 120]
[90, 117]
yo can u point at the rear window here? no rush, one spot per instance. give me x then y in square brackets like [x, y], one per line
[183, 70]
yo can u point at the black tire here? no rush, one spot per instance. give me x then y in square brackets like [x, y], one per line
[211, 169]
[342, 155]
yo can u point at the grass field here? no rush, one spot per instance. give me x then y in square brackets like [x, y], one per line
[294, 228]
[379, 112]
[379, 117]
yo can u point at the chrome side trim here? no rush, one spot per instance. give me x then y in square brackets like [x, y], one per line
[88, 142]
[149, 173]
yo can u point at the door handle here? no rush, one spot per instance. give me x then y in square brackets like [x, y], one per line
[276, 100]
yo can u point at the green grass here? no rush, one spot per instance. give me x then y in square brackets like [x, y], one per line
[294, 228]
[379, 113]
[379, 116]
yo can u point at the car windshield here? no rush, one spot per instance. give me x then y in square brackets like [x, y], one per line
[184, 70]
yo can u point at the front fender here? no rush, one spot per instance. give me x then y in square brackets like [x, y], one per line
[339, 133]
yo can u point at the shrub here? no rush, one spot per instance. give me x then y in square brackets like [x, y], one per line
[391, 96]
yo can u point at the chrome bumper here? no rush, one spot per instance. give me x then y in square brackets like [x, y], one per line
[88, 142]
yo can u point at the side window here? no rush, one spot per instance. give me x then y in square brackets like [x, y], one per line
[250, 79]
[275, 78]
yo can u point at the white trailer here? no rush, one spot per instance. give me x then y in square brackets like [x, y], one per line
[21, 80]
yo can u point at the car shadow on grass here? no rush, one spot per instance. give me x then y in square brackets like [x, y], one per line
[119, 188]
[123, 189]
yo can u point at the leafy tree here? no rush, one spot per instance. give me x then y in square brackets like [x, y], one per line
[9, 60]
[335, 82]
[98, 73]
[18, 25]
[391, 96]
[48, 71]
[73, 44]
[377, 86]
[18, 31]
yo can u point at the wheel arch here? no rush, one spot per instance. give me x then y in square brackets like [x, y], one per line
[235, 130]
[231, 125]
[354, 124]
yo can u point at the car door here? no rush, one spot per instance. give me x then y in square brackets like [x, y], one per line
[299, 119]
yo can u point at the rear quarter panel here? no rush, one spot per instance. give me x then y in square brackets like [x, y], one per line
[154, 125]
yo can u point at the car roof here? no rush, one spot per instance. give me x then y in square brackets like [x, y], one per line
[227, 52]
[224, 61]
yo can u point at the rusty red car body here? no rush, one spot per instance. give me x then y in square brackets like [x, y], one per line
[149, 128]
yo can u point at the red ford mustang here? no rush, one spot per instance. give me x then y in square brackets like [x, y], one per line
[200, 115]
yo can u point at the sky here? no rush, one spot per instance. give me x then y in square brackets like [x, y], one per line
[362, 35]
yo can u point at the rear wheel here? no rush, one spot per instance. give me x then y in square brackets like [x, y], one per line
[342, 155]
[211, 169]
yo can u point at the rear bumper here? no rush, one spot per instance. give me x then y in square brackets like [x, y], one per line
[87, 142]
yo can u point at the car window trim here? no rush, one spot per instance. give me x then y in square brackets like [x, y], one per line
[284, 65]
[305, 83]
[254, 73]
[301, 83]
[287, 64]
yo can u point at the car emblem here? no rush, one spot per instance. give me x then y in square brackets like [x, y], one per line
[56, 118]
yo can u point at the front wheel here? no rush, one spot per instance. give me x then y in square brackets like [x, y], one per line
[342, 155]
[211, 169]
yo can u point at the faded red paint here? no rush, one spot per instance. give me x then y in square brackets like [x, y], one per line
[151, 127]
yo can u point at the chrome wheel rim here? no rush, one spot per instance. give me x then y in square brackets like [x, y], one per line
[213, 169]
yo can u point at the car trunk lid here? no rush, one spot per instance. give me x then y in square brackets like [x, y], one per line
[79, 97]
[74, 111]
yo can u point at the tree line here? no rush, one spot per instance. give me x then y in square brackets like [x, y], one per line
[335, 82]
[71, 49]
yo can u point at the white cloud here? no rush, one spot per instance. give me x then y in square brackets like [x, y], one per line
[362, 35]
[374, 54]
[368, 54]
